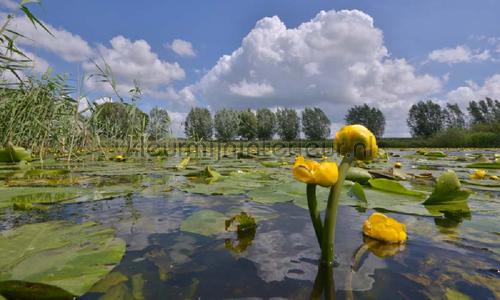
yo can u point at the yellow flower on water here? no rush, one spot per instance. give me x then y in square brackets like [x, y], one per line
[380, 227]
[397, 165]
[479, 174]
[356, 140]
[119, 158]
[494, 177]
[324, 173]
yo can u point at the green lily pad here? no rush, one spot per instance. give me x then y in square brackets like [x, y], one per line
[494, 165]
[70, 257]
[435, 154]
[21, 290]
[14, 154]
[205, 222]
[448, 190]
[393, 187]
[358, 175]
[358, 192]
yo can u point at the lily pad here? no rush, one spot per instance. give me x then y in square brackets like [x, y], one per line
[358, 175]
[358, 192]
[448, 190]
[14, 154]
[495, 165]
[205, 222]
[21, 290]
[70, 257]
[393, 187]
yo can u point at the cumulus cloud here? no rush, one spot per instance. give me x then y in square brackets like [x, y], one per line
[473, 91]
[335, 60]
[9, 4]
[459, 54]
[182, 48]
[67, 45]
[133, 60]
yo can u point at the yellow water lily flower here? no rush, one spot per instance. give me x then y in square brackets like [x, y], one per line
[324, 173]
[119, 158]
[356, 140]
[479, 174]
[398, 165]
[380, 227]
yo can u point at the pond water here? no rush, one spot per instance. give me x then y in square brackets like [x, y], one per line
[177, 249]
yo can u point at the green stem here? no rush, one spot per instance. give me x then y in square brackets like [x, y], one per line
[327, 247]
[314, 212]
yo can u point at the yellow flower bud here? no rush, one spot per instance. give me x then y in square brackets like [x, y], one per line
[324, 173]
[494, 177]
[380, 227]
[398, 165]
[479, 174]
[356, 140]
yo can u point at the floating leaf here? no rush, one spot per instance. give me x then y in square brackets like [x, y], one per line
[358, 192]
[435, 154]
[14, 154]
[448, 190]
[205, 222]
[244, 222]
[358, 175]
[21, 290]
[71, 257]
[393, 187]
[495, 165]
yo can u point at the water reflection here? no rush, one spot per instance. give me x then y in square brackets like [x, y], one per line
[324, 284]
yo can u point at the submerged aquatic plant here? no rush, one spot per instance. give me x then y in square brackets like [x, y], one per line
[353, 142]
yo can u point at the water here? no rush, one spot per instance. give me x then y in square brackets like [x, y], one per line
[444, 257]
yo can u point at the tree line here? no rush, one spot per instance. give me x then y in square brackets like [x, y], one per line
[262, 124]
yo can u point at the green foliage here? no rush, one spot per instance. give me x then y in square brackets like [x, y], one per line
[484, 111]
[119, 120]
[159, 123]
[226, 124]
[266, 124]
[198, 124]
[453, 116]
[248, 125]
[392, 186]
[425, 119]
[288, 124]
[370, 117]
[448, 190]
[315, 124]
[71, 257]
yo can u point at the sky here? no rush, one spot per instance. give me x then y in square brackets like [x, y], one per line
[267, 53]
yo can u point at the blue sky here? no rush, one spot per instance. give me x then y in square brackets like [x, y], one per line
[445, 50]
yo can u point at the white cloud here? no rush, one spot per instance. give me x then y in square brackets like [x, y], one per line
[335, 60]
[133, 60]
[251, 89]
[472, 91]
[67, 45]
[9, 4]
[182, 48]
[459, 54]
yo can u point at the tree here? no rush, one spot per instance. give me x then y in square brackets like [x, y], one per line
[198, 124]
[425, 119]
[248, 125]
[266, 124]
[288, 124]
[118, 120]
[370, 117]
[453, 116]
[315, 124]
[485, 111]
[226, 123]
[159, 123]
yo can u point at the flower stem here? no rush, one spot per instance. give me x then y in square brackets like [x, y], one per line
[314, 212]
[327, 246]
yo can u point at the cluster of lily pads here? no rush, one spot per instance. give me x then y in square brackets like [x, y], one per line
[425, 183]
